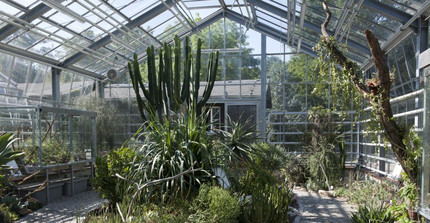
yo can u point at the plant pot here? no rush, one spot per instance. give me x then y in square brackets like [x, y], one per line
[413, 215]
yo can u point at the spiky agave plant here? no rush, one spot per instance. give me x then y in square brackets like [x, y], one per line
[171, 147]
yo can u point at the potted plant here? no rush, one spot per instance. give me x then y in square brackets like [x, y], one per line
[409, 194]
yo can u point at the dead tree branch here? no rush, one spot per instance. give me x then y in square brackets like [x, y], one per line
[380, 99]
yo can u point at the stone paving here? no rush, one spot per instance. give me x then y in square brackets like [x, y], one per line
[318, 208]
[66, 209]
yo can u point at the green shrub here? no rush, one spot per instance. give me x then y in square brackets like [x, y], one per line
[108, 121]
[6, 215]
[12, 202]
[271, 157]
[34, 204]
[295, 170]
[326, 165]
[255, 177]
[268, 203]
[408, 193]
[214, 204]
[380, 214]
[54, 150]
[117, 161]
[371, 193]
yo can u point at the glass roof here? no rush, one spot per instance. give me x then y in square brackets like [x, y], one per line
[98, 35]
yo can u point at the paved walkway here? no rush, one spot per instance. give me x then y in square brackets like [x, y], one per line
[318, 208]
[66, 209]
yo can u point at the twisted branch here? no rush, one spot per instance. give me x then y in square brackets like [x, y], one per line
[378, 95]
[338, 55]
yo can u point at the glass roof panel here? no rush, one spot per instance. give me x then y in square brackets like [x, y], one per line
[85, 61]
[374, 21]
[316, 16]
[106, 16]
[59, 52]
[78, 8]
[93, 33]
[265, 17]
[12, 36]
[69, 52]
[26, 3]
[97, 65]
[9, 9]
[26, 40]
[45, 26]
[162, 20]
[64, 34]
[43, 47]
[406, 6]
[136, 8]
[61, 18]
[198, 13]
[202, 3]
[279, 3]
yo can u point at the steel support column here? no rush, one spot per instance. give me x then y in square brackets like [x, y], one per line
[263, 88]
[100, 89]
[56, 94]
[422, 45]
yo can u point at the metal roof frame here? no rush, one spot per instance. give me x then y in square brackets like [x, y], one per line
[284, 12]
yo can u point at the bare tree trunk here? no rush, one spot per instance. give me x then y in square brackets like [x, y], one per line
[378, 93]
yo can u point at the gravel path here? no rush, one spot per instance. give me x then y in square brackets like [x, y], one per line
[319, 208]
[66, 209]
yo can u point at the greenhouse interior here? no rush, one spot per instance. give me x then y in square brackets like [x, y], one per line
[214, 111]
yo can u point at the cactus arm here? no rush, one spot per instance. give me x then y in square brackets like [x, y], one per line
[177, 72]
[161, 93]
[197, 72]
[168, 77]
[152, 76]
[185, 93]
[137, 77]
[140, 102]
[213, 68]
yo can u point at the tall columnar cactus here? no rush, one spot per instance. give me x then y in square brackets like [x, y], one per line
[164, 92]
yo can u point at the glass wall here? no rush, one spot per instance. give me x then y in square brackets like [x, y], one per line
[49, 135]
[425, 184]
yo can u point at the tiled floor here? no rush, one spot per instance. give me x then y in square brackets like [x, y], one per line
[318, 208]
[66, 209]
